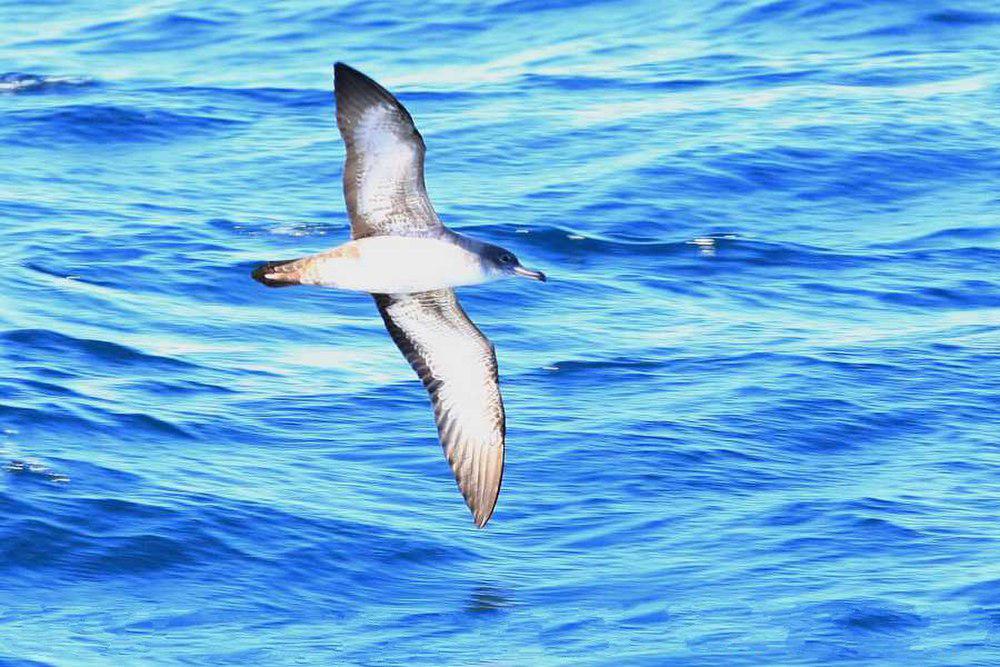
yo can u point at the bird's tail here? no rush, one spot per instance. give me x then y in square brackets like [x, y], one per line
[283, 273]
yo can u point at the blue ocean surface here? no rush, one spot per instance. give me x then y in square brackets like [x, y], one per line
[752, 417]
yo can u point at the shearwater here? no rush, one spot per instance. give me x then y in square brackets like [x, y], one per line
[403, 255]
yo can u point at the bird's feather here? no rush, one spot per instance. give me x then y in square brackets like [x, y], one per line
[384, 170]
[458, 366]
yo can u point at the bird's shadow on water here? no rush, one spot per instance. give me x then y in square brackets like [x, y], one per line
[488, 599]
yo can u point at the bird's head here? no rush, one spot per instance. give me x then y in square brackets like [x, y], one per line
[503, 262]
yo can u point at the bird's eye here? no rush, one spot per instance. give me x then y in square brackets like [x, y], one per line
[507, 258]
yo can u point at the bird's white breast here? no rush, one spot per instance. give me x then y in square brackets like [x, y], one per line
[396, 264]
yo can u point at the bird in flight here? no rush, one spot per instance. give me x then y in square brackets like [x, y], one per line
[403, 255]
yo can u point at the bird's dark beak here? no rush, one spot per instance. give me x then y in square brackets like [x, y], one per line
[528, 273]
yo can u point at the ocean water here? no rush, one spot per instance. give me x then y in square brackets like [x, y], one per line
[752, 418]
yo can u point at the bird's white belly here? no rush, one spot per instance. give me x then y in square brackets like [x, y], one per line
[394, 264]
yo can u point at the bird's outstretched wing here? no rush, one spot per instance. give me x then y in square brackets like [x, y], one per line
[384, 170]
[458, 367]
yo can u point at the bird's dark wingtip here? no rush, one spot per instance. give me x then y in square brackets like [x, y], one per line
[344, 73]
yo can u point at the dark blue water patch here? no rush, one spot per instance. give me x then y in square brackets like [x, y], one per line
[363, 17]
[181, 387]
[985, 593]
[164, 32]
[16, 504]
[211, 282]
[818, 19]
[454, 29]
[946, 25]
[102, 123]
[153, 207]
[587, 367]
[27, 210]
[74, 264]
[854, 629]
[101, 480]
[879, 533]
[761, 77]
[289, 98]
[569, 242]
[825, 425]
[39, 543]
[794, 11]
[728, 255]
[145, 553]
[834, 7]
[973, 294]
[109, 537]
[769, 11]
[534, 6]
[30, 345]
[444, 96]
[796, 513]
[850, 175]
[298, 545]
[43, 546]
[165, 22]
[49, 417]
[11, 390]
[9, 661]
[885, 78]
[986, 236]
[29, 409]
[140, 426]
[960, 17]
[919, 281]
[594, 83]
